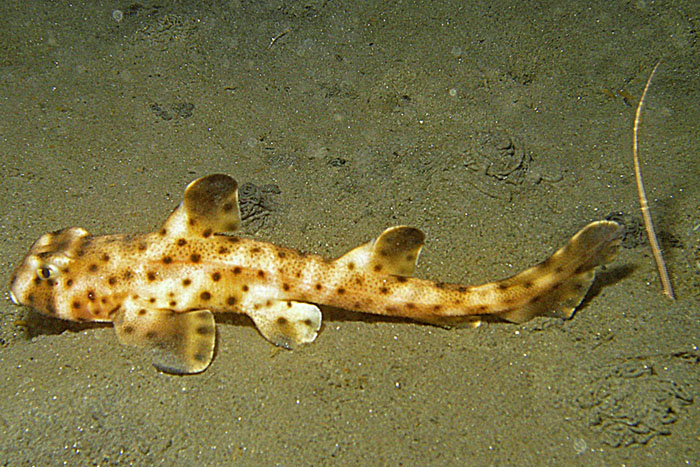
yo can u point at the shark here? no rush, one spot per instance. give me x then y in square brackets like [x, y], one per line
[161, 289]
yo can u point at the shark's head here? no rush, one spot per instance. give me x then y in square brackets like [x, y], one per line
[44, 278]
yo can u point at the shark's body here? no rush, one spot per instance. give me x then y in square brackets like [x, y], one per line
[160, 289]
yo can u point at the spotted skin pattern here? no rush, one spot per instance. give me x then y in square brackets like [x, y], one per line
[160, 289]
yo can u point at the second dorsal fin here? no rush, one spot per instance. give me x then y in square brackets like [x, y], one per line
[394, 252]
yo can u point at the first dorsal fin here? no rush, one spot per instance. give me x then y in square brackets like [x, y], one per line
[210, 206]
[395, 252]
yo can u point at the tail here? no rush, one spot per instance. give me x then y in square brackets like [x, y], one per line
[558, 285]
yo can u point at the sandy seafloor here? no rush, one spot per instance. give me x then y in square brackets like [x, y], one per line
[362, 115]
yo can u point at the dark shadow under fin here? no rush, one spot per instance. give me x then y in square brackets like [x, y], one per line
[210, 206]
[179, 343]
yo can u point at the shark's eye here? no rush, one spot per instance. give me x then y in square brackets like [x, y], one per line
[46, 272]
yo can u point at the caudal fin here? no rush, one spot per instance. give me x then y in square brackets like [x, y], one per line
[558, 285]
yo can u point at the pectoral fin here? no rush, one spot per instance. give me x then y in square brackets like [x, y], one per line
[287, 323]
[179, 343]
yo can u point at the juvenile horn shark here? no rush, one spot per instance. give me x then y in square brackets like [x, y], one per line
[160, 289]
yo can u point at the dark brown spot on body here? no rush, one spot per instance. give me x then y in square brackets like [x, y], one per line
[237, 270]
[167, 260]
[285, 286]
[186, 282]
[231, 301]
[281, 254]
[195, 257]
[201, 357]
[384, 290]
[216, 277]
[255, 250]
[245, 288]
[261, 274]
[341, 291]
[93, 268]
[223, 250]
[205, 296]
[181, 242]
[151, 276]
[207, 233]
[535, 299]
[112, 280]
[104, 257]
